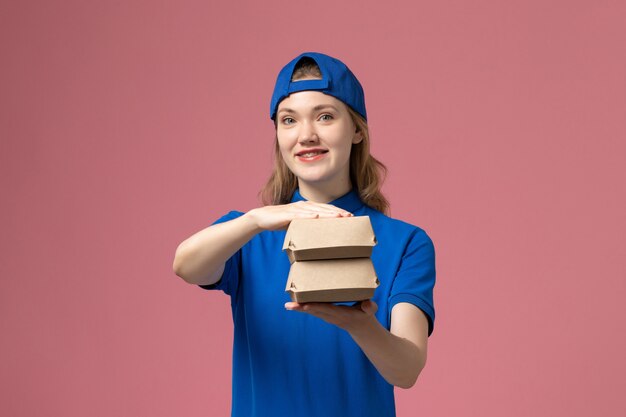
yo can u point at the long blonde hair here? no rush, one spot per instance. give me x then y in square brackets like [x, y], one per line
[366, 172]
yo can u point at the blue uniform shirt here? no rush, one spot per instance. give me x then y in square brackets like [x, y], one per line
[291, 363]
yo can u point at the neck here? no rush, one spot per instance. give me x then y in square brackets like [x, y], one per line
[324, 192]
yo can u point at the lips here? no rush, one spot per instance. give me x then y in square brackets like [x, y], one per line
[311, 152]
[309, 155]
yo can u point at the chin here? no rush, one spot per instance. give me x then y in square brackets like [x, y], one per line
[312, 179]
[311, 175]
[319, 181]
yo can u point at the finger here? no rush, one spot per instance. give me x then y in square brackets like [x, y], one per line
[307, 215]
[329, 208]
[330, 310]
[293, 306]
[314, 307]
[369, 307]
[332, 213]
[335, 209]
[329, 317]
[313, 212]
[305, 308]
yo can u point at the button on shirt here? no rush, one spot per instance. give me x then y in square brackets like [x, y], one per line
[291, 363]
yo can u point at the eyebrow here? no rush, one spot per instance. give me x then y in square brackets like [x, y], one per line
[316, 108]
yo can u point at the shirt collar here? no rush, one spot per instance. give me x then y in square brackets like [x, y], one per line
[350, 201]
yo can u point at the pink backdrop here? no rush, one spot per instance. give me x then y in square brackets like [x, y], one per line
[128, 126]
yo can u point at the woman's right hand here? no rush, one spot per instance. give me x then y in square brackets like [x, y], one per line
[278, 217]
[200, 258]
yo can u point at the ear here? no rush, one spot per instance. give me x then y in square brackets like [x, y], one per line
[358, 137]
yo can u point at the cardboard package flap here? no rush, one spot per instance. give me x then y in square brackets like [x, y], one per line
[332, 280]
[332, 238]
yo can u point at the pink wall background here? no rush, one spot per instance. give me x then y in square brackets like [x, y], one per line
[128, 126]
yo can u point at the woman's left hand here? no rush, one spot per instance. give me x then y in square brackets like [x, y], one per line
[345, 317]
[399, 354]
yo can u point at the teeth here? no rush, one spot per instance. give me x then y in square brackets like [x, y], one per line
[310, 154]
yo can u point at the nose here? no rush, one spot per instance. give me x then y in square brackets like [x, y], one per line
[307, 133]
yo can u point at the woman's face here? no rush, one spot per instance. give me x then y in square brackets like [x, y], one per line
[315, 134]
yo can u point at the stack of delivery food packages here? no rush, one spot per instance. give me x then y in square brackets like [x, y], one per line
[330, 259]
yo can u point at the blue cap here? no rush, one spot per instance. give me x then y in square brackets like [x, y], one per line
[337, 81]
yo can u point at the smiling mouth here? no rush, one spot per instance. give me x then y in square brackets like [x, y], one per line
[310, 154]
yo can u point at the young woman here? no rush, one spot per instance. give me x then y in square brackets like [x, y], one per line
[317, 359]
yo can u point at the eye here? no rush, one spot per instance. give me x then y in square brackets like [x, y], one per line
[326, 117]
[288, 120]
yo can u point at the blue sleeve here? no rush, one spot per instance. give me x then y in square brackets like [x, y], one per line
[415, 279]
[230, 277]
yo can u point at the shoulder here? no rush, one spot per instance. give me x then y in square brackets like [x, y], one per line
[400, 229]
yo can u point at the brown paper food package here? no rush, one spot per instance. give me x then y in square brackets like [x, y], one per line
[334, 238]
[335, 280]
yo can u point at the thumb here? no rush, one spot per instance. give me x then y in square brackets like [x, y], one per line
[369, 307]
